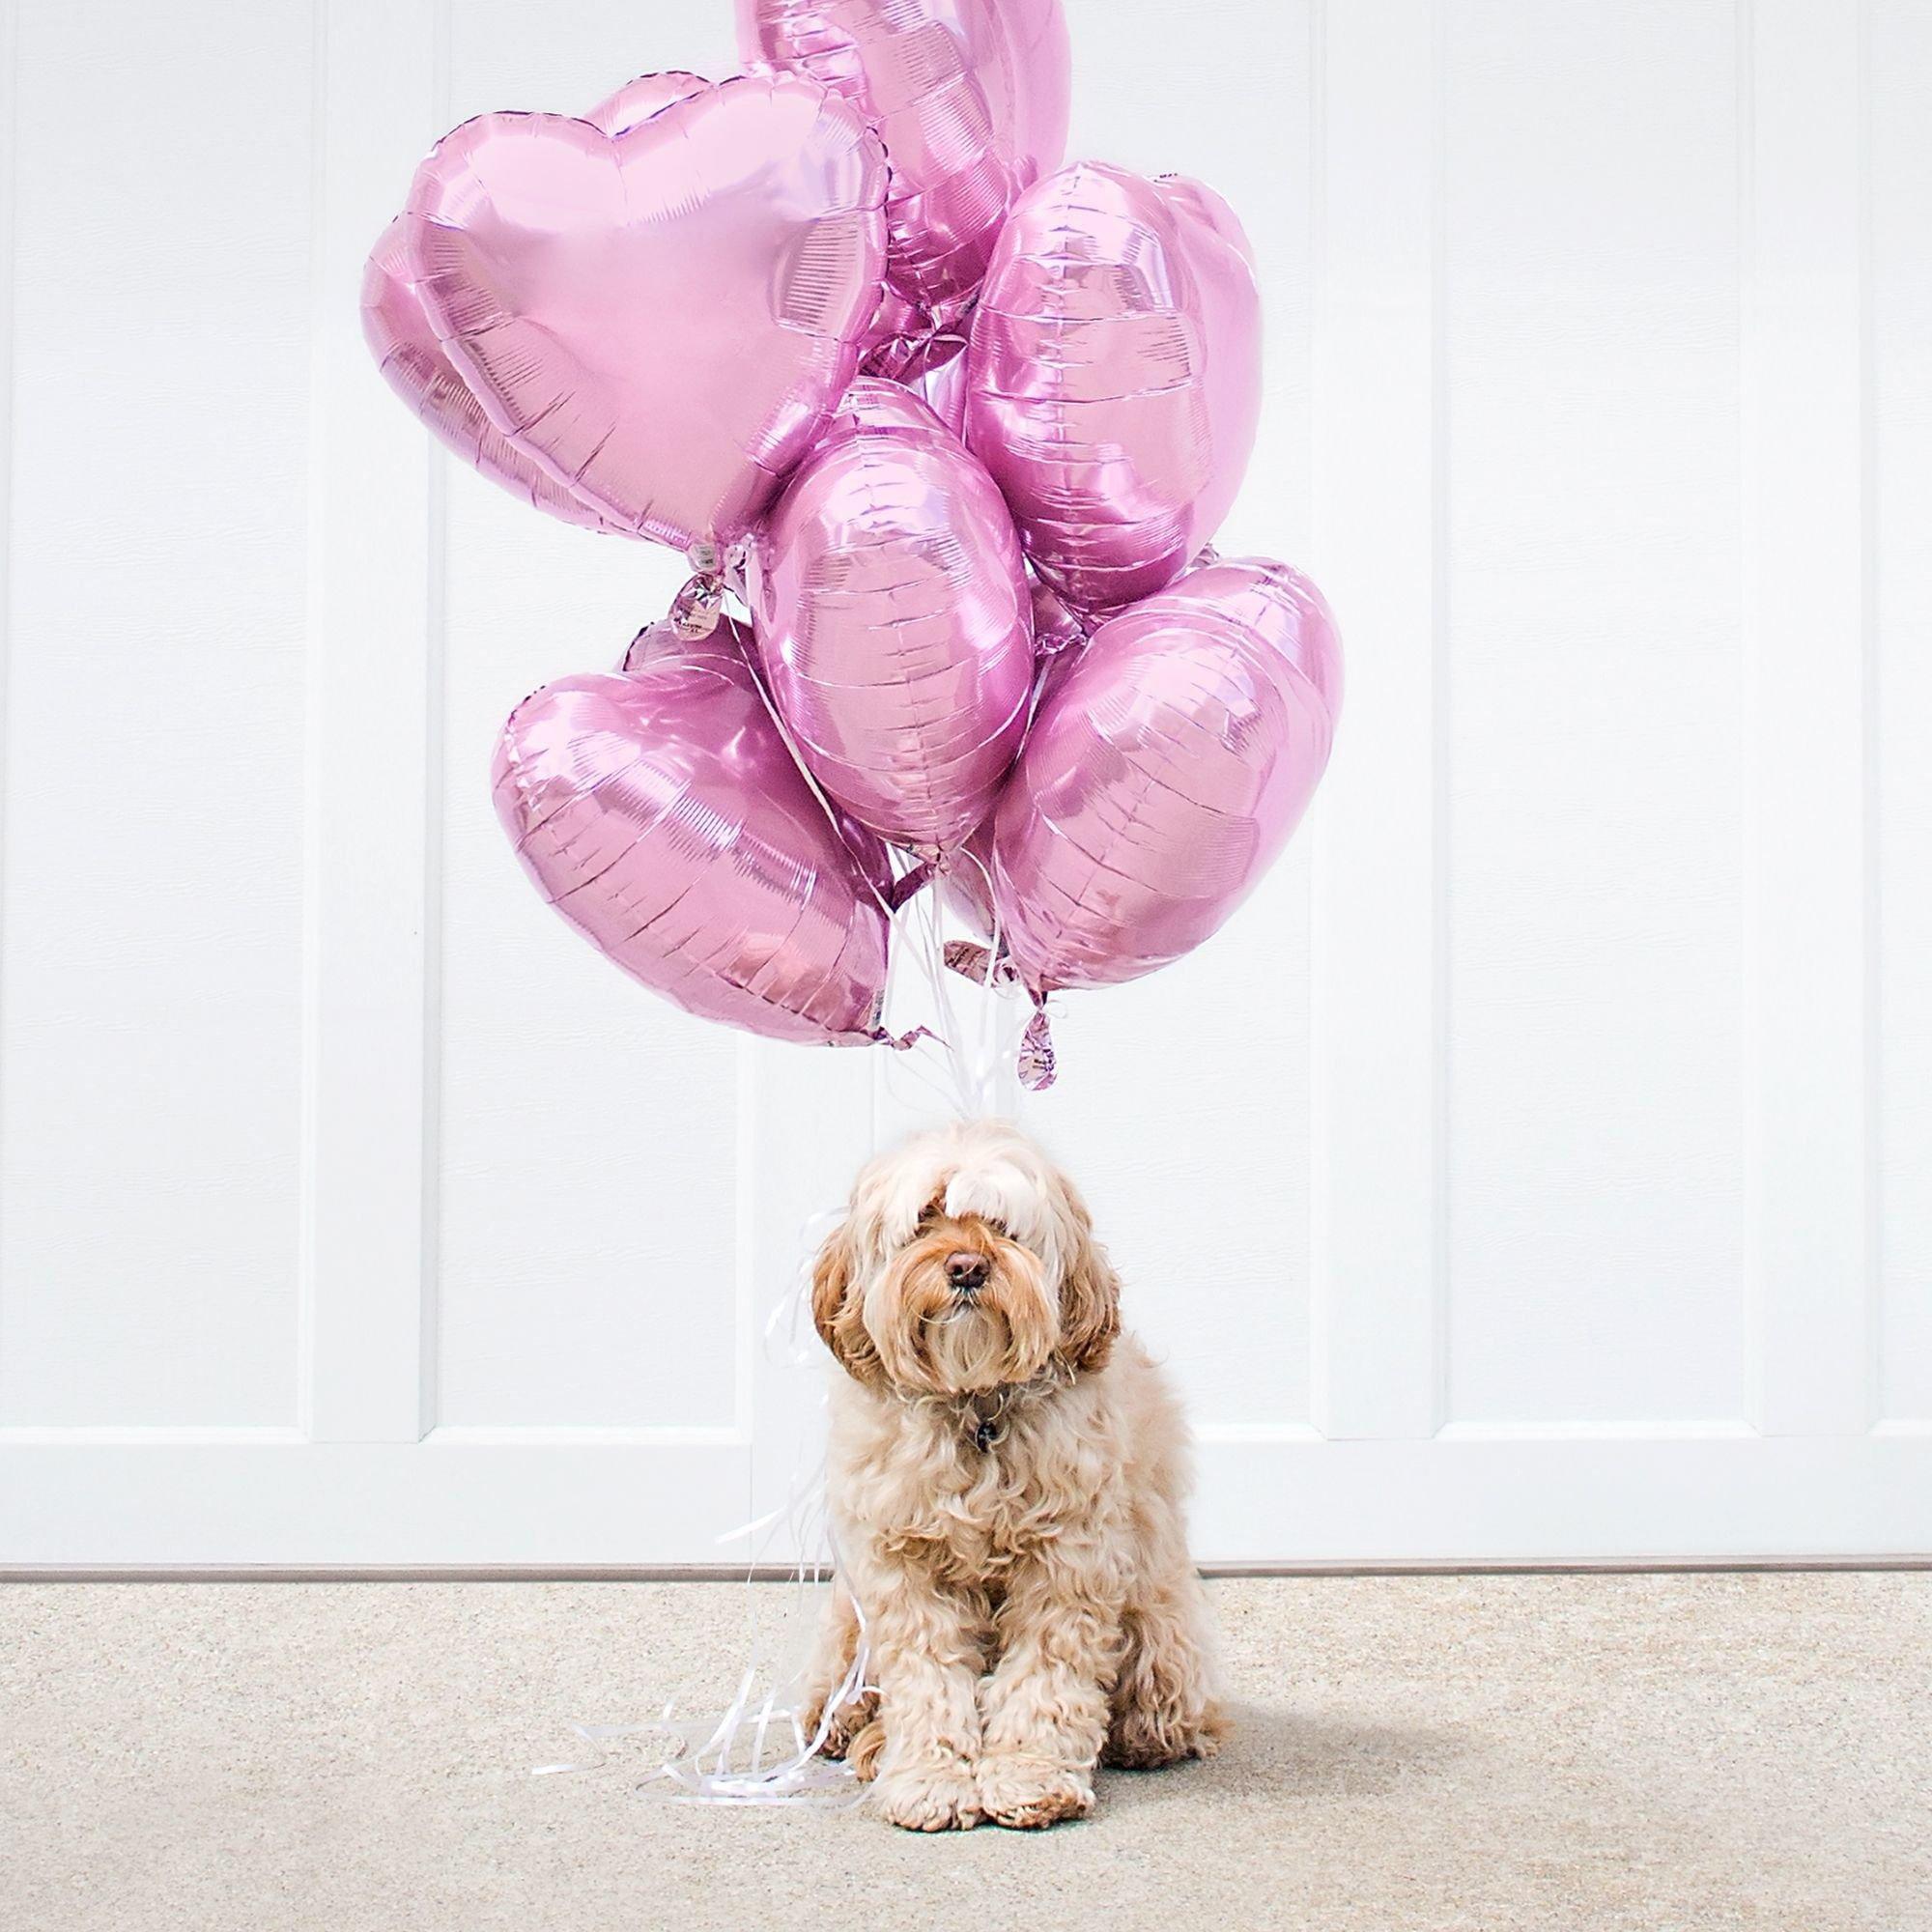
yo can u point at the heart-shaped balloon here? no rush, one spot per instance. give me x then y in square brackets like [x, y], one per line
[413, 365]
[412, 361]
[970, 97]
[966, 883]
[1113, 385]
[662, 319]
[890, 603]
[637, 100]
[869, 852]
[1165, 770]
[662, 814]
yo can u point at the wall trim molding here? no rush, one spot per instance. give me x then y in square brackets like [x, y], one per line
[771, 1572]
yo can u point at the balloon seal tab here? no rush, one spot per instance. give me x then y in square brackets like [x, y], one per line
[696, 608]
[1037, 1066]
[973, 961]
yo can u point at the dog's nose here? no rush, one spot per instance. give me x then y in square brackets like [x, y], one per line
[967, 1272]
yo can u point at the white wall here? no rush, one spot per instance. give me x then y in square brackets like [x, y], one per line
[1541, 1165]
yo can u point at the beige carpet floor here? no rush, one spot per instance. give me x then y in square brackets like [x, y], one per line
[1437, 1753]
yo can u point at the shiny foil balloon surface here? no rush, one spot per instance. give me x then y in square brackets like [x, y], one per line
[659, 641]
[1113, 385]
[412, 361]
[903, 343]
[664, 318]
[893, 620]
[942, 391]
[1164, 773]
[637, 100]
[870, 853]
[662, 814]
[404, 345]
[1058, 639]
[970, 97]
[1058, 629]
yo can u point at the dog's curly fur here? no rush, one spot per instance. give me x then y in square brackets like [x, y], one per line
[1006, 1479]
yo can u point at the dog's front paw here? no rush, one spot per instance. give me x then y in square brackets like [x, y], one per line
[864, 1752]
[927, 1798]
[844, 1725]
[1027, 1794]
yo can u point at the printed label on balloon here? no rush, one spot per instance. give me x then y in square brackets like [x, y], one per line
[662, 814]
[1113, 381]
[664, 318]
[894, 623]
[1164, 773]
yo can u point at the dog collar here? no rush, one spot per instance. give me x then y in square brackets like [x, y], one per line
[983, 1429]
[990, 1427]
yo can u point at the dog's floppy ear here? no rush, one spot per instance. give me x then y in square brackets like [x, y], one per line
[834, 1309]
[1090, 1295]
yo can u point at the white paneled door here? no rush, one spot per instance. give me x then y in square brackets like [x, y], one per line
[1538, 1168]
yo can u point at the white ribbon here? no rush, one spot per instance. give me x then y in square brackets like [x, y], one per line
[757, 1750]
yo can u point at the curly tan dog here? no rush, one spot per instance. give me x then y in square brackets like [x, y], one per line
[1006, 1477]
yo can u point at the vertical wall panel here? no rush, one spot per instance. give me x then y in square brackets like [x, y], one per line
[1596, 1168]
[153, 861]
[373, 654]
[1205, 1067]
[1806, 609]
[1900, 162]
[1380, 465]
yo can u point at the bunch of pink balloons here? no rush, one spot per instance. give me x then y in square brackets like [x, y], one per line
[957, 425]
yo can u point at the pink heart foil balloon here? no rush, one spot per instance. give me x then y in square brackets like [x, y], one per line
[661, 814]
[657, 642]
[413, 365]
[662, 319]
[1058, 637]
[1112, 382]
[1164, 773]
[970, 97]
[637, 100]
[895, 633]
[412, 361]
[870, 853]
